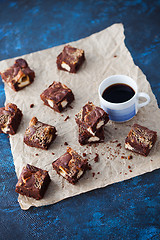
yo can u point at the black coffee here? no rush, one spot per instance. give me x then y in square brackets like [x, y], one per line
[118, 93]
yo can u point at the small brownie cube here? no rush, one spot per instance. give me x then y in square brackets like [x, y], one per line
[39, 135]
[57, 96]
[70, 165]
[70, 59]
[91, 118]
[86, 137]
[33, 182]
[10, 118]
[140, 139]
[19, 75]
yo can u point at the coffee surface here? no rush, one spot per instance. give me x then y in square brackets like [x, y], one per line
[118, 93]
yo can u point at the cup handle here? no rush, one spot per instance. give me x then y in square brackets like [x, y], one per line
[143, 95]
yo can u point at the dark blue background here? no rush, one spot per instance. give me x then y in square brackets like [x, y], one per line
[126, 210]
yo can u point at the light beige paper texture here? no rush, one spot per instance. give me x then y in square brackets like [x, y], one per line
[106, 54]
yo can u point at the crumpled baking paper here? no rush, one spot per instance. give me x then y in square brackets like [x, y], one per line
[106, 54]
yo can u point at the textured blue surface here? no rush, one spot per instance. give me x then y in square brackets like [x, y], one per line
[126, 210]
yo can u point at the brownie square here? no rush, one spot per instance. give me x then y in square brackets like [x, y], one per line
[33, 182]
[70, 59]
[10, 118]
[91, 118]
[19, 75]
[86, 137]
[140, 139]
[70, 165]
[57, 96]
[39, 135]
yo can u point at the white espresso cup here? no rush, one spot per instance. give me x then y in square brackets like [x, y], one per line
[124, 111]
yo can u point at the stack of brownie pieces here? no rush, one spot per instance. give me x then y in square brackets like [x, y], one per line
[91, 120]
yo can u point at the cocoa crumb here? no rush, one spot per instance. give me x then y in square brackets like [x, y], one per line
[32, 105]
[115, 128]
[96, 159]
[66, 118]
[37, 154]
[115, 56]
[130, 170]
[84, 154]
[151, 160]
[65, 143]
[89, 166]
[118, 145]
[98, 172]
[93, 174]
[62, 115]
[53, 153]
[130, 157]
[129, 166]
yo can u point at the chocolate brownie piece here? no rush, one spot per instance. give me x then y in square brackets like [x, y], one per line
[57, 96]
[70, 165]
[70, 59]
[86, 137]
[140, 139]
[91, 117]
[19, 75]
[33, 182]
[39, 135]
[10, 118]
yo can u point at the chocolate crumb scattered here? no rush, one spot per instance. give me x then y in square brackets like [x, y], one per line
[89, 167]
[119, 145]
[66, 143]
[98, 172]
[130, 170]
[62, 115]
[115, 56]
[53, 153]
[151, 160]
[129, 166]
[125, 173]
[37, 154]
[115, 128]
[32, 105]
[96, 159]
[93, 174]
[66, 118]
[130, 157]
[84, 154]
[71, 107]
[120, 172]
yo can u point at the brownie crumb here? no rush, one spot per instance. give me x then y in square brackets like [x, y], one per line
[123, 157]
[89, 167]
[32, 105]
[93, 174]
[130, 170]
[66, 118]
[115, 56]
[37, 154]
[96, 159]
[53, 153]
[119, 145]
[84, 154]
[98, 172]
[129, 166]
[120, 172]
[65, 143]
[115, 128]
[130, 157]
[151, 160]
[62, 115]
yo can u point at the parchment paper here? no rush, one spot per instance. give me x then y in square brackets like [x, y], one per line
[106, 54]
